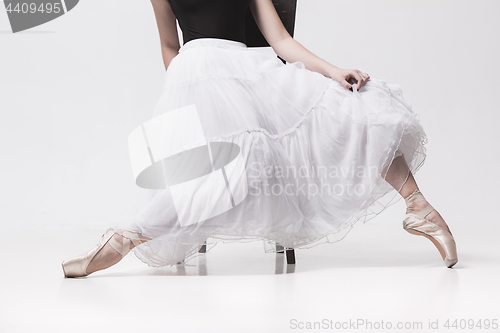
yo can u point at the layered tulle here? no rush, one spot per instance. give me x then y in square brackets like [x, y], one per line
[315, 155]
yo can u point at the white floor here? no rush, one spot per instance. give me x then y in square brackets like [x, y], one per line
[378, 274]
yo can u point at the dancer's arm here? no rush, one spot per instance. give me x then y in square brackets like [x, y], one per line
[290, 50]
[167, 27]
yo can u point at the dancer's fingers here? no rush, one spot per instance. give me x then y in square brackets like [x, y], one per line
[347, 85]
[366, 77]
[359, 78]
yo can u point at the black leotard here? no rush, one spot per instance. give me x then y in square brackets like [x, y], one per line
[211, 18]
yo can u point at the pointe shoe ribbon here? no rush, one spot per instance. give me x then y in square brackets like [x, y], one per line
[417, 224]
[124, 248]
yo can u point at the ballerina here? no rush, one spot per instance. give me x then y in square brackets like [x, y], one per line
[272, 121]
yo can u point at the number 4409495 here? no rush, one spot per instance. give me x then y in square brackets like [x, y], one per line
[484, 324]
[34, 8]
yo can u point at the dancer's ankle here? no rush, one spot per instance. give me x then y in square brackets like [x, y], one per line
[415, 207]
[106, 257]
[415, 201]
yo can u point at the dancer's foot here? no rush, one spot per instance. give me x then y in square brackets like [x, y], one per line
[423, 220]
[112, 247]
[433, 216]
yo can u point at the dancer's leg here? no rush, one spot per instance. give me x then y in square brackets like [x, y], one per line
[401, 178]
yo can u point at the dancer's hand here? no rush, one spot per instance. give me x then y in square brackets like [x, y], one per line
[348, 77]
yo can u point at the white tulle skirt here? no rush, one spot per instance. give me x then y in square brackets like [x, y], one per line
[293, 157]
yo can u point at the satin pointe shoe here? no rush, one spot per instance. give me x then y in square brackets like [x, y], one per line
[417, 224]
[77, 266]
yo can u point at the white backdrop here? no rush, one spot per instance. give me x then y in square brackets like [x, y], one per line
[72, 90]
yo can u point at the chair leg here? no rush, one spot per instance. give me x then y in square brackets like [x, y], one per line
[203, 248]
[290, 256]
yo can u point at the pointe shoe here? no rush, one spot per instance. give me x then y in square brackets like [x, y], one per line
[417, 224]
[77, 266]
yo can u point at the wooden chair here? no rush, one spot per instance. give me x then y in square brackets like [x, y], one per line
[287, 11]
